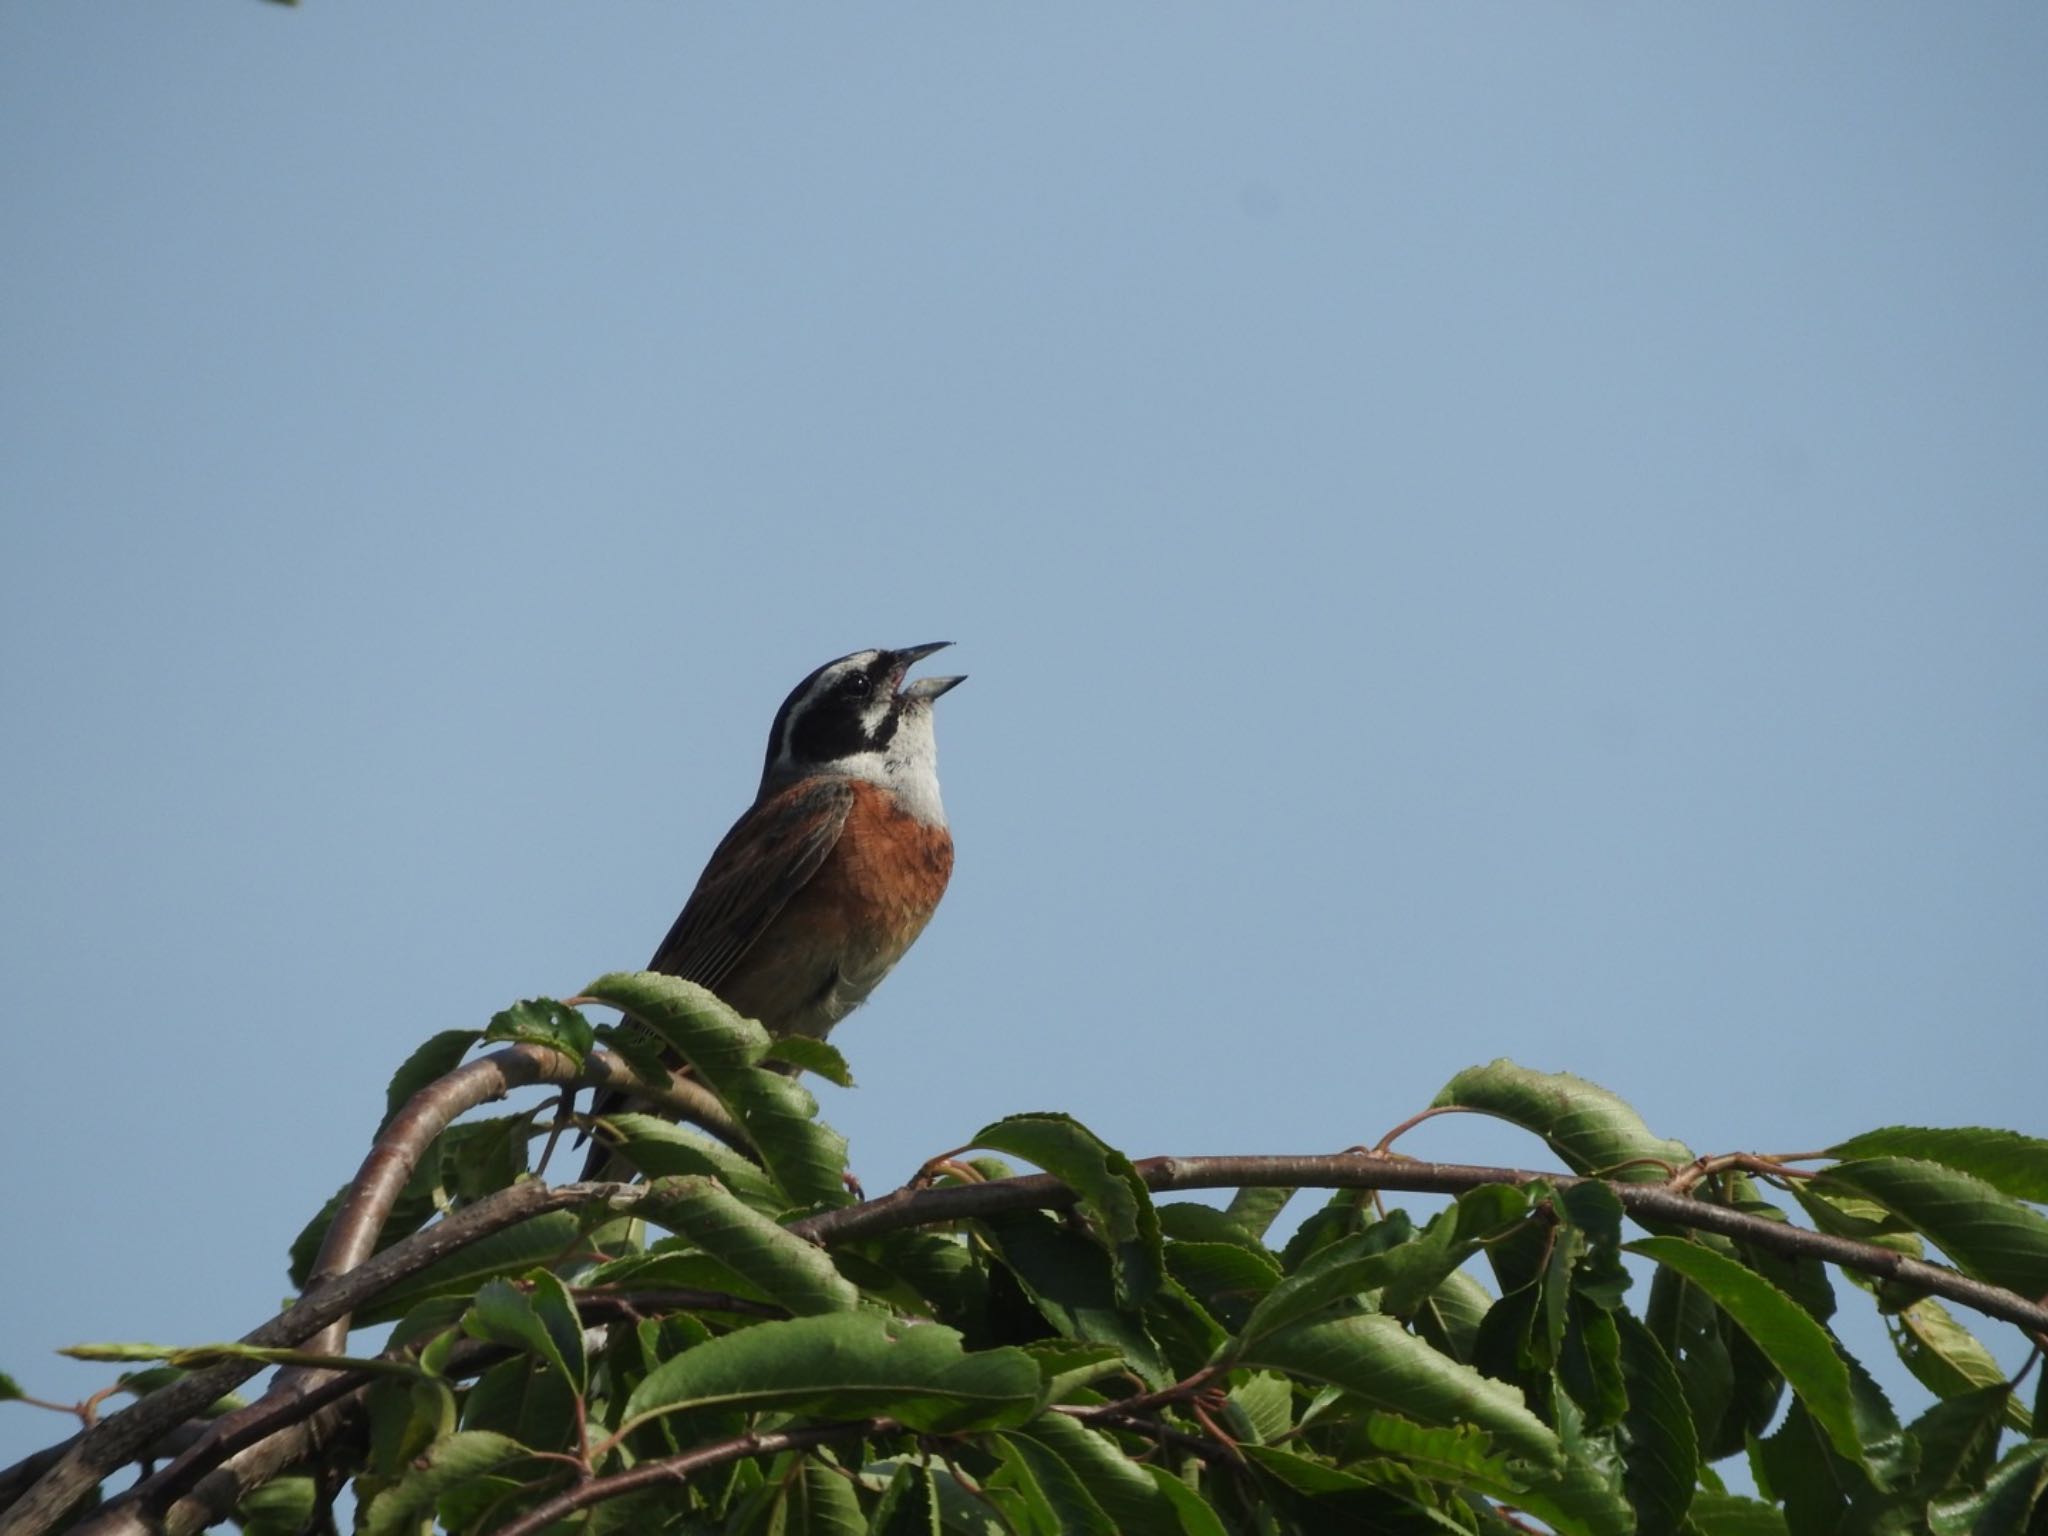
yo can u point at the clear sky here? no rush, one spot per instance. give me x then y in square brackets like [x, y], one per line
[1475, 531]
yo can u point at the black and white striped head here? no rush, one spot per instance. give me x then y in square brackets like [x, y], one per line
[857, 717]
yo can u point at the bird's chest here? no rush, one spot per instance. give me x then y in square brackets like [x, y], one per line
[853, 920]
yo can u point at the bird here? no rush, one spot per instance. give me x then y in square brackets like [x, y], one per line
[827, 879]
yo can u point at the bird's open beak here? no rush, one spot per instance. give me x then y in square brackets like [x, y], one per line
[926, 688]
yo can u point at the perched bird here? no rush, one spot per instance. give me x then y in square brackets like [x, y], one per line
[830, 876]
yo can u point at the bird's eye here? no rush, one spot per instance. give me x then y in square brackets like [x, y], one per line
[857, 685]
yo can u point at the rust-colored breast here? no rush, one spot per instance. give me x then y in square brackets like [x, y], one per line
[852, 921]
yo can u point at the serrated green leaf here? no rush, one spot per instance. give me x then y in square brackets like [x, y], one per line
[1113, 1203]
[481, 1157]
[2005, 1505]
[847, 1365]
[2006, 1160]
[400, 1509]
[504, 1314]
[1066, 1277]
[659, 1148]
[1266, 1399]
[1376, 1360]
[543, 1021]
[1252, 1210]
[1065, 1367]
[1448, 1317]
[640, 1050]
[691, 1020]
[1957, 1442]
[1947, 1359]
[281, 1507]
[1195, 1515]
[910, 1505]
[785, 1268]
[776, 1114]
[1226, 1278]
[1456, 1452]
[1591, 1129]
[1796, 1346]
[1050, 1491]
[1117, 1485]
[1987, 1234]
[1728, 1514]
[532, 1244]
[813, 1056]
[1660, 1457]
[1189, 1221]
[433, 1060]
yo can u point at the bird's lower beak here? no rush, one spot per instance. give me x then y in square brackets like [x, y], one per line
[926, 688]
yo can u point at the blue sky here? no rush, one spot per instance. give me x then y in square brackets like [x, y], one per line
[1474, 531]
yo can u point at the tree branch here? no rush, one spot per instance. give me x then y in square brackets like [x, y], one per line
[674, 1469]
[122, 1437]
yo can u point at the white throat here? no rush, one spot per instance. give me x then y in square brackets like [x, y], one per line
[908, 767]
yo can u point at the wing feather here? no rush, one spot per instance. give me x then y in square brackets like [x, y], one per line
[770, 854]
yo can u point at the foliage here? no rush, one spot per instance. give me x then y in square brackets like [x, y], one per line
[740, 1349]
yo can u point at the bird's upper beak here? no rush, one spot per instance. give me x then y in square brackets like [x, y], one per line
[926, 688]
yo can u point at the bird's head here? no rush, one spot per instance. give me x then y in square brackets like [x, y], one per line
[858, 718]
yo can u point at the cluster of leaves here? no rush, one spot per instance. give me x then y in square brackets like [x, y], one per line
[730, 1358]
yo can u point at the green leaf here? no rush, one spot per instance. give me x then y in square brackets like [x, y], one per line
[400, 1509]
[481, 1157]
[910, 1505]
[1947, 1359]
[504, 1314]
[1376, 1360]
[434, 1060]
[1957, 1440]
[1067, 1367]
[777, 1116]
[813, 1056]
[2006, 1503]
[532, 1244]
[10, 1389]
[1988, 1235]
[1660, 1457]
[1448, 1317]
[1728, 1514]
[1116, 1484]
[660, 1148]
[1253, 1210]
[1592, 1130]
[1227, 1279]
[1266, 1400]
[524, 1400]
[1796, 1345]
[1196, 1517]
[691, 1020]
[789, 1270]
[1050, 1490]
[639, 1049]
[847, 1365]
[1114, 1206]
[2006, 1160]
[543, 1021]
[1066, 1277]
[1457, 1453]
[279, 1508]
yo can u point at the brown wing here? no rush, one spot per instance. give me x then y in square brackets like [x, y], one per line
[767, 857]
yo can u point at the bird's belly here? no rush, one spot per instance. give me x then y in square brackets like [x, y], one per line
[849, 925]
